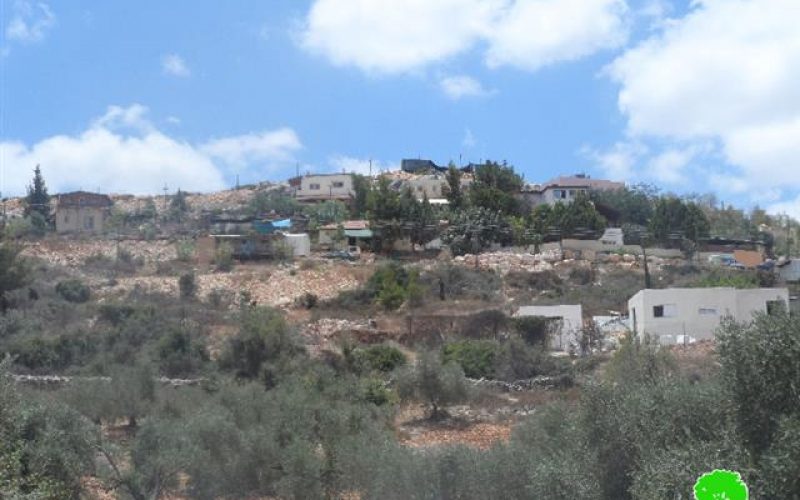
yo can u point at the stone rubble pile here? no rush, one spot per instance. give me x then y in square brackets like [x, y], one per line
[75, 253]
[506, 261]
[277, 287]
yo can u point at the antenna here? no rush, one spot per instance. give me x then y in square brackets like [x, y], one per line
[370, 167]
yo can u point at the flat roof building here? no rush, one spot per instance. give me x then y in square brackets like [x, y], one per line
[672, 315]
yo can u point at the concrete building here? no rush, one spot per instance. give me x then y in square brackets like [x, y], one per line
[673, 314]
[354, 234]
[433, 186]
[82, 212]
[789, 270]
[567, 323]
[565, 189]
[315, 188]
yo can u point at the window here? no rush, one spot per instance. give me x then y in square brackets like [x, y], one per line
[88, 222]
[66, 218]
[572, 193]
[775, 306]
[313, 187]
[338, 184]
[707, 311]
[419, 188]
[665, 311]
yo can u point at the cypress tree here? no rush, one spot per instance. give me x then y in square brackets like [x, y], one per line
[37, 200]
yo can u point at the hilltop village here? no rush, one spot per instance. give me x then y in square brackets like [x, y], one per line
[404, 315]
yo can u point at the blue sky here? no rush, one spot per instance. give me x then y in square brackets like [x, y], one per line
[129, 96]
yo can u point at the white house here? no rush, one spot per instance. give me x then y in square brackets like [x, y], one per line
[565, 189]
[671, 313]
[568, 323]
[322, 187]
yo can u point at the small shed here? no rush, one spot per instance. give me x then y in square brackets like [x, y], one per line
[299, 243]
[567, 322]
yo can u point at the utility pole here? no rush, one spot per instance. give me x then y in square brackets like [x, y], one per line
[370, 167]
[165, 188]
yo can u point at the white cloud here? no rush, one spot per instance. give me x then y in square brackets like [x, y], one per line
[272, 147]
[790, 207]
[123, 152]
[30, 22]
[668, 167]
[390, 36]
[536, 33]
[459, 87]
[469, 141]
[620, 161]
[174, 65]
[342, 163]
[727, 72]
[387, 36]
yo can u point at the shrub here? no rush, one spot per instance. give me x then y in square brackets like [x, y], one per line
[516, 360]
[382, 358]
[475, 357]
[308, 300]
[220, 297]
[581, 275]
[179, 355]
[760, 369]
[116, 314]
[374, 391]
[488, 323]
[73, 290]
[14, 272]
[223, 257]
[433, 383]
[184, 250]
[307, 265]
[532, 329]
[263, 337]
[187, 286]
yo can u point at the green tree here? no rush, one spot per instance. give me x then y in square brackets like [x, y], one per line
[14, 272]
[187, 286]
[672, 216]
[760, 369]
[265, 202]
[387, 213]
[634, 204]
[581, 214]
[433, 383]
[362, 186]
[45, 448]
[327, 212]
[455, 195]
[422, 221]
[263, 341]
[475, 357]
[568, 218]
[495, 188]
[475, 229]
[37, 200]
[178, 206]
